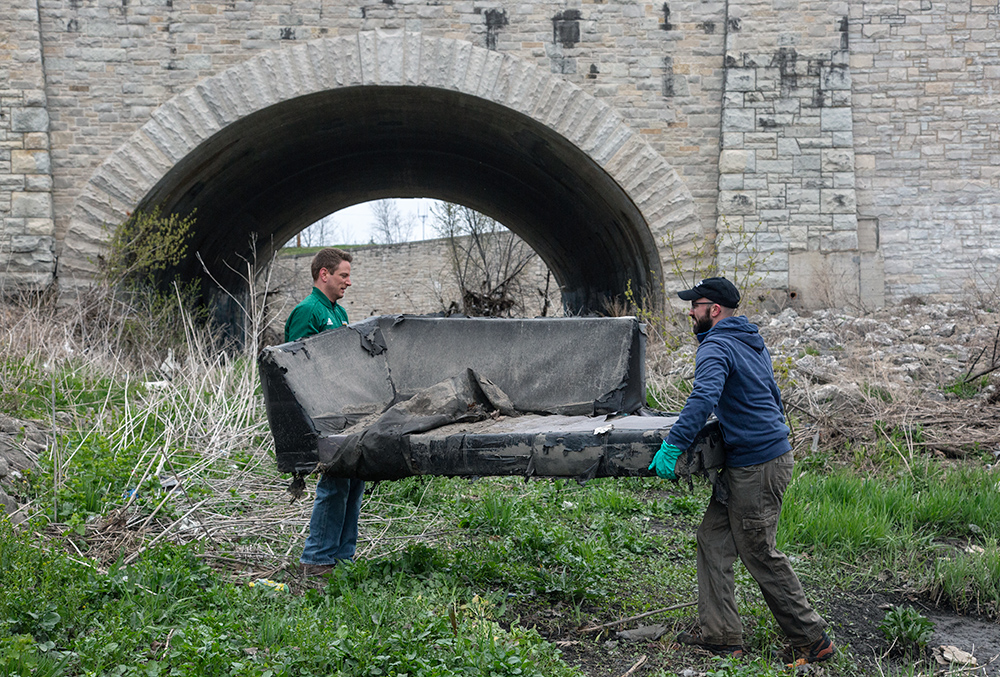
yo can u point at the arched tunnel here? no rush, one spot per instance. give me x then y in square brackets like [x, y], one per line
[272, 173]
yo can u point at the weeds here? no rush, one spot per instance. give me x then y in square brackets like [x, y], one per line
[906, 629]
[162, 504]
[895, 524]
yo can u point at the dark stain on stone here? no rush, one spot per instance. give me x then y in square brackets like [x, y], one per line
[566, 27]
[819, 98]
[845, 35]
[766, 123]
[388, 2]
[287, 33]
[668, 77]
[592, 75]
[495, 20]
[785, 59]
[735, 25]
[708, 27]
[666, 25]
[741, 200]
[73, 26]
[730, 61]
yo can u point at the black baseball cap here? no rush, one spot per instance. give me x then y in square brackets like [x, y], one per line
[716, 289]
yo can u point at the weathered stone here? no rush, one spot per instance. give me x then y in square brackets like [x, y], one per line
[820, 369]
[838, 160]
[30, 162]
[838, 201]
[736, 161]
[31, 205]
[836, 119]
[29, 120]
[736, 202]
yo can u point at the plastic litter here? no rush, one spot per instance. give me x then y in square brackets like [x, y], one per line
[268, 583]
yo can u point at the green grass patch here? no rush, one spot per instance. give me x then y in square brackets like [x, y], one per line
[967, 390]
[922, 525]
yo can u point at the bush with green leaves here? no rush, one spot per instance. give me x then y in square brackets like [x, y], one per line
[907, 629]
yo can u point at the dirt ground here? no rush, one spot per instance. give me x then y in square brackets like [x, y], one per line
[854, 616]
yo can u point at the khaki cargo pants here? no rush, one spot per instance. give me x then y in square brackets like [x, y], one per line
[746, 527]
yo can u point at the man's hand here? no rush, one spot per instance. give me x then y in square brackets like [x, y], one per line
[665, 461]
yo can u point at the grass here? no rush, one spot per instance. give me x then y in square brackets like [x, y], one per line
[118, 574]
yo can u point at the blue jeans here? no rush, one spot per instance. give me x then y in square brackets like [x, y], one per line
[333, 528]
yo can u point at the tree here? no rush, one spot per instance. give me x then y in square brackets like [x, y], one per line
[326, 231]
[487, 260]
[389, 226]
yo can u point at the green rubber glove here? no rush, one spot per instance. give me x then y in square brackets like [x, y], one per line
[665, 461]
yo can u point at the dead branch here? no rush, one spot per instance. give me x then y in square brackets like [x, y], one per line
[631, 670]
[598, 628]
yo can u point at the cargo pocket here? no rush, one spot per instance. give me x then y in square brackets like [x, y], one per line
[758, 522]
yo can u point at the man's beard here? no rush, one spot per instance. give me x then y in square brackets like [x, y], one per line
[700, 326]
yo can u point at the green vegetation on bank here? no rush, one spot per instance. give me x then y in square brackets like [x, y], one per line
[456, 577]
[308, 251]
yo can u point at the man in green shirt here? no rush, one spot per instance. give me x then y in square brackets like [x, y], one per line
[333, 528]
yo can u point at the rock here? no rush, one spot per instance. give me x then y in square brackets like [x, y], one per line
[946, 330]
[819, 369]
[644, 633]
[4, 467]
[10, 506]
[836, 396]
[946, 655]
[825, 340]
[878, 338]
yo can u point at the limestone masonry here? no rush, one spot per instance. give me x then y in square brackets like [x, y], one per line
[857, 143]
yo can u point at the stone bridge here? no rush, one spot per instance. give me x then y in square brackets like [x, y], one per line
[851, 147]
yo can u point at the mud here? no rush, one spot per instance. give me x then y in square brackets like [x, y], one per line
[854, 618]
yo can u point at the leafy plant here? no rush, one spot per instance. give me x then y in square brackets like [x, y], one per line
[907, 629]
[145, 244]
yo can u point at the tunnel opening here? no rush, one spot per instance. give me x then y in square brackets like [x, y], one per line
[257, 182]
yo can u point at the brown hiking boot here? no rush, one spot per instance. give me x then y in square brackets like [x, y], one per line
[313, 570]
[817, 652]
[694, 638]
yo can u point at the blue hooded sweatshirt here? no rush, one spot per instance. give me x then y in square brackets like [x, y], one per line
[734, 378]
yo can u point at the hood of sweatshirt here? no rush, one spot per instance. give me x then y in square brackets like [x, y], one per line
[738, 328]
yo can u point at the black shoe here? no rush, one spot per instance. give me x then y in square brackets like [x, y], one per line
[694, 638]
[817, 652]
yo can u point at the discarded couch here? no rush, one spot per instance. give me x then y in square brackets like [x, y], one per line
[395, 396]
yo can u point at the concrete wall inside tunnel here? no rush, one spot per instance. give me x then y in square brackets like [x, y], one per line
[266, 147]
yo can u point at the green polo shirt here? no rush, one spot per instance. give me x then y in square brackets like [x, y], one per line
[316, 313]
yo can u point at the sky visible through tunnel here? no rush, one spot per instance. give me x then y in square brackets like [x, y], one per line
[356, 224]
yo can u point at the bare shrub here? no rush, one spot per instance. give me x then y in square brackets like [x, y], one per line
[487, 261]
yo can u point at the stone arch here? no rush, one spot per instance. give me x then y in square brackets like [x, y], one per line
[273, 143]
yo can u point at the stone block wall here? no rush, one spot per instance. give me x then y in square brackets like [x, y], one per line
[787, 189]
[857, 141]
[27, 244]
[926, 99]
